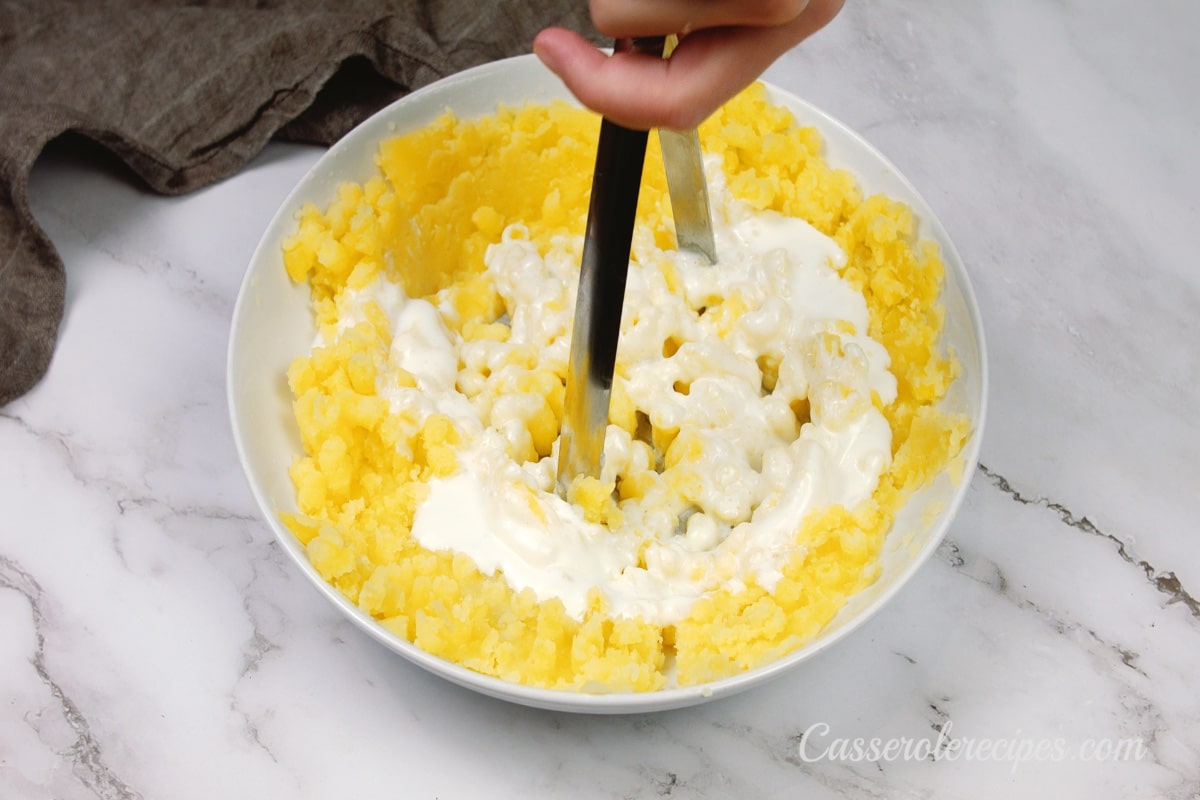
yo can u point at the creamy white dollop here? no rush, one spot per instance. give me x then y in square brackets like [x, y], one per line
[746, 463]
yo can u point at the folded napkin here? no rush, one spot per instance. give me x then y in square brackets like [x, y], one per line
[185, 93]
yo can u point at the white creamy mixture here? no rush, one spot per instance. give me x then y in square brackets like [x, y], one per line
[745, 468]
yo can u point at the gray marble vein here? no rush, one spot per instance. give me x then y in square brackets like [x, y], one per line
[1166, 582]
[84, 757]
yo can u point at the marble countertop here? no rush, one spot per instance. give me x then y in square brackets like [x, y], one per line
[157, 643]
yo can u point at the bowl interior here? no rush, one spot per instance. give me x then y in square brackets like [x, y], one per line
[272, 325]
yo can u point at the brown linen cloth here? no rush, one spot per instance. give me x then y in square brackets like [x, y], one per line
[185, 93]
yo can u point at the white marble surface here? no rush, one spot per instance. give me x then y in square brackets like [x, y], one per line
[154, 642]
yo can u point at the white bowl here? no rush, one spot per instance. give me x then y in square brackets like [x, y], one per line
[272, 324]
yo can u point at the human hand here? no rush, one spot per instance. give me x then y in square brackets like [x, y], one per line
[724, 45]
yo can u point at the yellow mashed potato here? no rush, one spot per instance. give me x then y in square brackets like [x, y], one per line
[445, 193]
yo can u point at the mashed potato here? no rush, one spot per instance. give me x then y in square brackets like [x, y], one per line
[421, 289]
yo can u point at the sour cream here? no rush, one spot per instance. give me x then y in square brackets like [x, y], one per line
[748, 461]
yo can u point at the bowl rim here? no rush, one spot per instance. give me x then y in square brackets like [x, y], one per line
[616, 702]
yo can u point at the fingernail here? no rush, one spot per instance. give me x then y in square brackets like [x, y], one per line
[545, 54]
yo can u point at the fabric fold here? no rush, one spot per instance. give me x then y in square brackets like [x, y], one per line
[186, 93]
